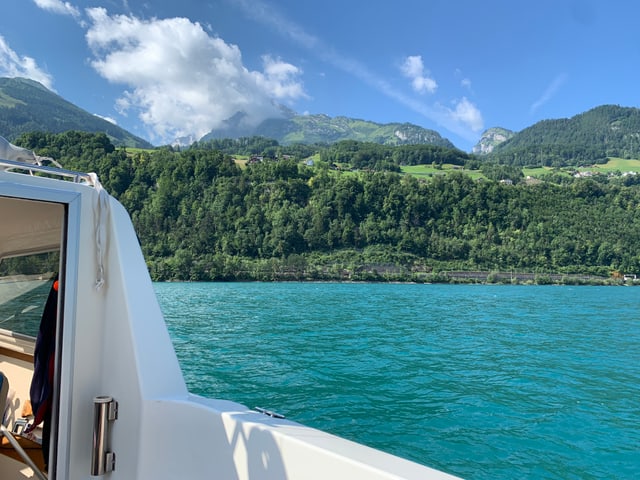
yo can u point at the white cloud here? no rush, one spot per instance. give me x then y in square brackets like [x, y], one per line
[266, 14]
[551, 90]
[466, 83]
[58, 6]
[466, 113]
[279, 79]
[108, 119]
[457, 121]
[180, 80]
[13, 65]
[413, 68]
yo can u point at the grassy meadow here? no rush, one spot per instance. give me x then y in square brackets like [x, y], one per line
[614, 165]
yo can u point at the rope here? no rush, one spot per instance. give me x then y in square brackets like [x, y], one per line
[101, 210]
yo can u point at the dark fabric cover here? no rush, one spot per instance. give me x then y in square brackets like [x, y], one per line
[43, 365]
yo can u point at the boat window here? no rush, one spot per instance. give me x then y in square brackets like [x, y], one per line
[32, 254]
[25, 282]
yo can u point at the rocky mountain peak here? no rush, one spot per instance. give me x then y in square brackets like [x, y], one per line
[490, 138]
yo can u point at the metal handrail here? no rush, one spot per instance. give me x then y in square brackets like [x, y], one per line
[32, 167]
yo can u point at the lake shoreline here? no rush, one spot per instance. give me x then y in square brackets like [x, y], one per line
[444, 277]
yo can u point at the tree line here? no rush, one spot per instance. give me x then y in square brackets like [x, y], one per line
[200, 216]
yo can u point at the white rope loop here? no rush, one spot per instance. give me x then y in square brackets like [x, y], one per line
[101, 210]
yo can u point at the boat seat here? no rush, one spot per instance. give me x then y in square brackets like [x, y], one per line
[17, 446]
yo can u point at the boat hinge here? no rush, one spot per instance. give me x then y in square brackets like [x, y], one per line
[105, 411]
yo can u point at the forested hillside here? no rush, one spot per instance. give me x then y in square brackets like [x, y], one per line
[351, 153]
[591, 137]
[200, 216]
[27, 106]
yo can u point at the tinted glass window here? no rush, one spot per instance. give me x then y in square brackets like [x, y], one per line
[24, 286]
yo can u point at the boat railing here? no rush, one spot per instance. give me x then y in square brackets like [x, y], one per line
[77, 177]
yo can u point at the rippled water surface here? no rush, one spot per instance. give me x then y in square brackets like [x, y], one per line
[484, 382]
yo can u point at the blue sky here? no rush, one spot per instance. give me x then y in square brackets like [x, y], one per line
[163, 69]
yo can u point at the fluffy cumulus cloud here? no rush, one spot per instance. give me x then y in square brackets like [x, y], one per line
[280, 79]
[58, 6]
[413, 69]
[467, 114]
[14, 65]
[181, 81]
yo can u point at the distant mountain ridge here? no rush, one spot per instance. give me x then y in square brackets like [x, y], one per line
[28, 106]
[589, 137]
[320, 128]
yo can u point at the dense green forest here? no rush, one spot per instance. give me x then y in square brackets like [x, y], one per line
[200, 216]
[355, 154]
[587, 138]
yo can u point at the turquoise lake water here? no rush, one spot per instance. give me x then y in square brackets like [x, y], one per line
[483, 382]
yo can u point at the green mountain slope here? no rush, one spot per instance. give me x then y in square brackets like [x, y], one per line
[590, 137]
[324, 129]
[28, 106]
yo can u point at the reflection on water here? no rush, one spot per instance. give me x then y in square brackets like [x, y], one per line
[22, 303]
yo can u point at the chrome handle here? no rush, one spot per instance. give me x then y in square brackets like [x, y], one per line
[105, 410]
